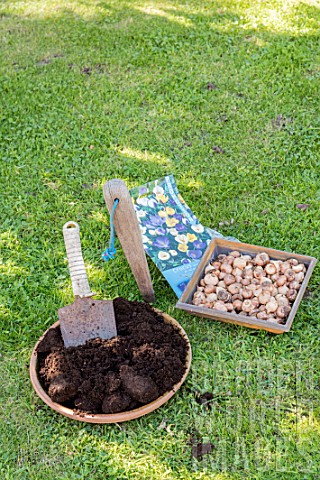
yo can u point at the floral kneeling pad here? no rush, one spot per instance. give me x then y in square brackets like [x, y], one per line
[172, 235]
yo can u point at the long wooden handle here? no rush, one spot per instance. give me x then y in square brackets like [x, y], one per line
[129, 234]
[78, 274]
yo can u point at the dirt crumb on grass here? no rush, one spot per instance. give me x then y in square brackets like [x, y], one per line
[146, 359]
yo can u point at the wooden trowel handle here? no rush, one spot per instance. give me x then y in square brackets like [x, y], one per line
[129, 234]
[78, 274]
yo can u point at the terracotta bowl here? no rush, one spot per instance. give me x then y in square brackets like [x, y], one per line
[114, 417]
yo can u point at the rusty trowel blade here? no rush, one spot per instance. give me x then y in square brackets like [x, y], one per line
[85, 319]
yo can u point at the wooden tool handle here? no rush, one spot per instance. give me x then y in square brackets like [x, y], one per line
[78, 274]
[129, 234]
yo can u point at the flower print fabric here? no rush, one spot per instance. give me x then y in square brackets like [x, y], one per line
[172, 235]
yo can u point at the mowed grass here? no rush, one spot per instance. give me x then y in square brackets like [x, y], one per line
[94, 90]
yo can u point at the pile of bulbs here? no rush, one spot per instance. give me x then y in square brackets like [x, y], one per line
[252, 286]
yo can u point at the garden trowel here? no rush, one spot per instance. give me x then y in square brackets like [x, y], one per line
[85, 318]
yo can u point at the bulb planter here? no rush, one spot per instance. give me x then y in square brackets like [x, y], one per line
[115, 417]
[221, 246]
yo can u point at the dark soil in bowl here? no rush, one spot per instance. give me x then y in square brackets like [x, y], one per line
[145, 360]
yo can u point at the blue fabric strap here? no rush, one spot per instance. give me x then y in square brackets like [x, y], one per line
[110, 252]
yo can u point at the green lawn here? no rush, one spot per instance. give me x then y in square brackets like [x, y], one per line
[94, 90]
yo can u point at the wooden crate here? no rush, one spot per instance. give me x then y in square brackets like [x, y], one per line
[219, 246]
